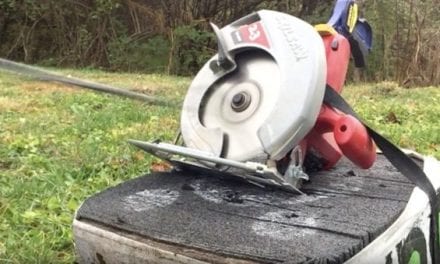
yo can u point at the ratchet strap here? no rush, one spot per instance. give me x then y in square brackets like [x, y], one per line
[401, 162]
[43, 75]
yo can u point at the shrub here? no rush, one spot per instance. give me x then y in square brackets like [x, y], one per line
[191, 48]
[149, 55]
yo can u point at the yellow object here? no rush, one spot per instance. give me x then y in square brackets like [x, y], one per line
[325, 29]
[352, 17]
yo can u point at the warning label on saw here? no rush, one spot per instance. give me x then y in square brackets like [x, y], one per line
[252, 34]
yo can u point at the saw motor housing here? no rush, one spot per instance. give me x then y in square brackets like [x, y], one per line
[336, 134]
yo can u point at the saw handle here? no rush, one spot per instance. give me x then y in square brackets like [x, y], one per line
[336, 134]
[352, 138]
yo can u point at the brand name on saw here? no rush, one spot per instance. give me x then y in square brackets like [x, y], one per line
[292, 38]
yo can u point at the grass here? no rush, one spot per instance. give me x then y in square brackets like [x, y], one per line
[410, 118]
[60, 145]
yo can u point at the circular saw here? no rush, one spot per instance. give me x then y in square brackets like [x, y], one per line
[255, 109]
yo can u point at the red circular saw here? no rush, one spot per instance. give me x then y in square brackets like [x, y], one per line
[255, 109]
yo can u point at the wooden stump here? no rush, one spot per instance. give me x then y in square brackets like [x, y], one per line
[181, 217]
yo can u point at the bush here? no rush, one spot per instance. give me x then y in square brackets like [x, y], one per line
[192, 47]
[149, 55]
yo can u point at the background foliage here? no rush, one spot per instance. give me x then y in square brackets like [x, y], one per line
[173, 36]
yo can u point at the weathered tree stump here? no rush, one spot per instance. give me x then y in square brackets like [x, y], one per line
[181, 217]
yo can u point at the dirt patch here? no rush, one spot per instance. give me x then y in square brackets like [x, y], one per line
[22, 105]
[48, 87]
[7, 104]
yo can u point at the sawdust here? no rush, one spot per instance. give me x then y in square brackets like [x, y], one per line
[149, 199]
[270, 227]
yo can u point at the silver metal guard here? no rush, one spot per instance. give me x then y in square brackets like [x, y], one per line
[252, 172]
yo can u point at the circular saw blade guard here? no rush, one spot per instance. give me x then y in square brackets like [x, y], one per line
[261, 94]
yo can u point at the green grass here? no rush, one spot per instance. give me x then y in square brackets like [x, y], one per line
[410, 118]
[60, 145]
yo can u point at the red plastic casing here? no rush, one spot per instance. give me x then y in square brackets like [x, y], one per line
[336, 134]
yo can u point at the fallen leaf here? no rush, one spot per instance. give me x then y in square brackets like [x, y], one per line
[160, 166]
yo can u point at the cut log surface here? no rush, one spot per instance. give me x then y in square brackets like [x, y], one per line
[343, 210]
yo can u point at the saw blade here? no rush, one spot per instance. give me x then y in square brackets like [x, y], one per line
[241, 103]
